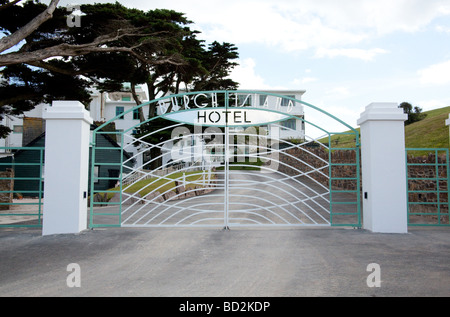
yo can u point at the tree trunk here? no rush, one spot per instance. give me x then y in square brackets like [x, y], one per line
[138, 102]
[151, 96]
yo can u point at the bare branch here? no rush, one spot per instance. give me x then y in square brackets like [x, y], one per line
[96, 46]
[13, 39]
[12, 100]
[54, 51]
[56, 69]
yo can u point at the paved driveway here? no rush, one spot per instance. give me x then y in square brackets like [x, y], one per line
[285, 262]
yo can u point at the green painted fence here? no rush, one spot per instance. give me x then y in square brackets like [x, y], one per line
[427, 186]
[22, 186]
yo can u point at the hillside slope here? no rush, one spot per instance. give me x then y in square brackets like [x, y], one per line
[430, 132]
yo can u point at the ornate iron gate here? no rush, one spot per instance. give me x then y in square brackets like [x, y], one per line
[227, 158]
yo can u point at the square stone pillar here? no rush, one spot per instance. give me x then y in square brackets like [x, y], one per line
[383, 165]
[67, 136]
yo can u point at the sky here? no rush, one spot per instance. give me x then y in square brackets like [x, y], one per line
[346, 54]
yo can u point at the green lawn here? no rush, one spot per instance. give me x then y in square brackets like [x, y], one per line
[249, 165]
[341, 140]
[430, 132]
[161, 184]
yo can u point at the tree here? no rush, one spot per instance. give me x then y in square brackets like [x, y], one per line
[112, 29]
[22, 88]
[157, 76]
[114, 45]
[24, 31]
[218, 63]
[203, 69]
[414, 114]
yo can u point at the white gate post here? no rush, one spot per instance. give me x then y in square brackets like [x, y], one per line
[67, 136]
[383, 164]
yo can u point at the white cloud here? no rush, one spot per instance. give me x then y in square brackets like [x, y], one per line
[366, 55]
[437, 74]
[304, 80]
[265, 22]
[381, 16]
[443, 29]
[300, 25]
[338, 92]
[245, 75]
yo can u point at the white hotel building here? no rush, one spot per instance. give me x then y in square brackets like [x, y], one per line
[105, 106]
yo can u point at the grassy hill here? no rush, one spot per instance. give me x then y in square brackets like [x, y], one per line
[430, 132]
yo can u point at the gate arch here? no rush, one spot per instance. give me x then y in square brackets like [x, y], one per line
[228, 158]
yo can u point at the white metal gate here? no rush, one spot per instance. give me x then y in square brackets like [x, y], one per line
[223, 159]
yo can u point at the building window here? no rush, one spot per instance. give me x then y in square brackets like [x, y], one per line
[136, 114]
[262, 100]
[126, 98]
[285, 102]
[290, 124]
[245, 100]
[119, 111]
[18, 129]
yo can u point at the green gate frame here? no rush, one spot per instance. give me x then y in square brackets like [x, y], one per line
[37, 165]
[438, 191]
[227, 94]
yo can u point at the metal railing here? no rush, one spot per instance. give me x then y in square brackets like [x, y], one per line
[427, 174]
[21, 189]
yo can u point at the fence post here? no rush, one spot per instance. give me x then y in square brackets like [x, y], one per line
[67, 135]
[383, 165]
[447, 122]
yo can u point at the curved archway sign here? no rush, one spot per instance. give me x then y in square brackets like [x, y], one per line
[227, 117]
[227, 158]
[226, 108]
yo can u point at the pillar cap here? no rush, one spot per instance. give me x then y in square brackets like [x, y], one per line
[67, 110]
[382, 111]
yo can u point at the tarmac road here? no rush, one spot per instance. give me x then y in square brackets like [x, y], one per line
[210, 262]
[204, 262]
